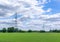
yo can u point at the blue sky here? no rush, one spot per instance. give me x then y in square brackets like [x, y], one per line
[31, 14]
[54, 5]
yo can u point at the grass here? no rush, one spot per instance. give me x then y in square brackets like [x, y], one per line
[29, 37]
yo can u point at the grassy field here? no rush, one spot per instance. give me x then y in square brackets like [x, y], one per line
[29, 37]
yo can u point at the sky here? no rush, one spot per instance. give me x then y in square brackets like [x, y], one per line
[31, 14]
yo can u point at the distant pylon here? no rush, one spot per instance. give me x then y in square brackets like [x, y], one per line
[16, 20]
[43, 26]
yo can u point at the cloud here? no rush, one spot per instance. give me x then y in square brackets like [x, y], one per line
[21, 6]
[31, 14]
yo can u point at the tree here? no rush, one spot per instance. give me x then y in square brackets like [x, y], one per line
[22, 31]
[29, 30]
[4, 30]
[16, 30]
[54, 30]
[10, 29]
[42, 31]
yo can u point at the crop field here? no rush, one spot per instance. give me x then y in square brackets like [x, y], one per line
[29, 37]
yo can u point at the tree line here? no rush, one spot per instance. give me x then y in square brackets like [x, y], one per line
[12, 29]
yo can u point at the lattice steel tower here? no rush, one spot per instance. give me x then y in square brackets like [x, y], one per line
[16, 20]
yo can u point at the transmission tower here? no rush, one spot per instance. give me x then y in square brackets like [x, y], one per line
[16, 20]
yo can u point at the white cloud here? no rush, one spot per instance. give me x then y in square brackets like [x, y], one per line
[32, 14]
[22, 6]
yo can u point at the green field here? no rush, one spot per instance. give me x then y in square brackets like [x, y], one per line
[29, 37]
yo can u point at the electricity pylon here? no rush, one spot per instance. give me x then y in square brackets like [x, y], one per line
[16, 20]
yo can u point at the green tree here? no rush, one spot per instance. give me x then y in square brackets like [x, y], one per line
[22, 31]
[4, 30]
[29, 30]
[16, 30]
[10, 29]
[42, 31]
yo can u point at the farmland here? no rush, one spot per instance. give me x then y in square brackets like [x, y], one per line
[29, 37]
